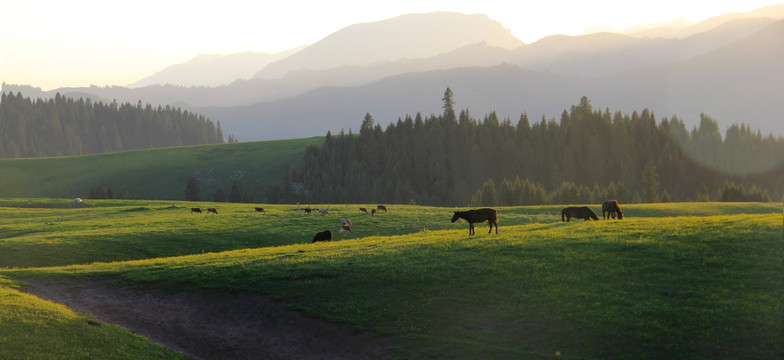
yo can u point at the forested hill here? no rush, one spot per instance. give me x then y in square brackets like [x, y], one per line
[586, 157]
[64, 126]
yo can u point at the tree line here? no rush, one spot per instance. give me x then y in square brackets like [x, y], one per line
[65, 126]
[587, 156]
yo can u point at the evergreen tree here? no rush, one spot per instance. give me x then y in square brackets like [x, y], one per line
[702, 194]
[650, 183]
[449, 105]
[66, 126]
[192, 189]
[234, 195]
[219, 196]
[434, 161]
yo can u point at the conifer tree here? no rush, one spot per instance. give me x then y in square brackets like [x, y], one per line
[650, 183]
[234, 195]
[192, 189]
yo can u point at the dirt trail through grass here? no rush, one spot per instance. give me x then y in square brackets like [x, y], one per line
[214, 324]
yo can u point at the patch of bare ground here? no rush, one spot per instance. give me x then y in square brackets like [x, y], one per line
[213, 324]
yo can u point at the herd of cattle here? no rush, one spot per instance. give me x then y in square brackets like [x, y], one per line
[610, 209]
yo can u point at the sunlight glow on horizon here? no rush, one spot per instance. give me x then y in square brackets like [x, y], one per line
[52, 44]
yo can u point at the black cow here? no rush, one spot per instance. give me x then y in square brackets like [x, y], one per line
[478, 215]
[195, 210]
[261, 210]
[382, 207]
[212, 210]
[325, 235]
[579, 212]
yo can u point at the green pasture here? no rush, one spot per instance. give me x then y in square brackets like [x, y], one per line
[694, 280]
[155, 173]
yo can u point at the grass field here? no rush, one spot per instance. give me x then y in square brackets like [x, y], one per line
[687, 280]
[254, 165]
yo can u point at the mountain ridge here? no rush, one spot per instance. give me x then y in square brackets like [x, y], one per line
[556, 71]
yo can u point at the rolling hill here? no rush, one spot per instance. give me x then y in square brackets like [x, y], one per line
[667, 281]
[157, 173]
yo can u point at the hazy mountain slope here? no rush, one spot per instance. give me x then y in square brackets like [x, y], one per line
[741, 82]
[212, 70]
[504, 88]
[608, 53]
[412, 36]
[775, 12]
[738, 83]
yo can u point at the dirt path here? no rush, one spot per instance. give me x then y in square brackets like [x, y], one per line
[214, 324]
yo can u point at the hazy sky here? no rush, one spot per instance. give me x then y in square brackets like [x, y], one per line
[55, 43]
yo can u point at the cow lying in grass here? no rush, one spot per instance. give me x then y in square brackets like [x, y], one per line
[345, 225]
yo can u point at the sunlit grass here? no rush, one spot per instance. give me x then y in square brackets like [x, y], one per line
[668, 281]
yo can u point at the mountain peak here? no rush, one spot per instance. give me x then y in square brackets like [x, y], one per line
[410, 36]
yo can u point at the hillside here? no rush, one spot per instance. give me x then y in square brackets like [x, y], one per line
[157, 173]
[666, 281]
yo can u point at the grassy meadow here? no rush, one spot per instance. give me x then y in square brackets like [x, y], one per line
[155, 173]
[681, 280]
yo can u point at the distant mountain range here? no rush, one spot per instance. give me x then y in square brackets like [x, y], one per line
[213, 70]
[728, 67]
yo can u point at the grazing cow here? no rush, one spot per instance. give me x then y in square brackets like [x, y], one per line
[372, 212]
[323, 211]
[306, 210]
[212, 210]
[382, 207]
[610, 208]
[261, 210]
[195, 210]
[478, 215]
[345, 225]
[578, 212]
[364, 210]
[325, 235]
